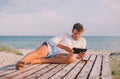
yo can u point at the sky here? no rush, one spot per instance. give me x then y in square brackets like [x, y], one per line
[53, 17]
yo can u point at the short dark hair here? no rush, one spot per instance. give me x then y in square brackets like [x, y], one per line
[78, 27]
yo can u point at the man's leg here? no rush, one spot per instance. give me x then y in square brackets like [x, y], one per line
[41, 52]
[59, 59]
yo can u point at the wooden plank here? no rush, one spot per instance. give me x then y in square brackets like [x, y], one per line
[25, 74]
[72, 74]
[86, 70]
[52, 72]
[65, 70]
[7, 72]
[75, 70]
[106, 73]
[95, 73]
[16, 72]
[7, 69]
[41, 72]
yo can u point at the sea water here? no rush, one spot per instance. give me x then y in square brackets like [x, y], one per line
[32, 42]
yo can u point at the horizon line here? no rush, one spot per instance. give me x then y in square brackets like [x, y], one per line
[56, 35]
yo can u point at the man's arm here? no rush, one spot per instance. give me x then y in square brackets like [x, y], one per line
[61, 46]
[82, 55]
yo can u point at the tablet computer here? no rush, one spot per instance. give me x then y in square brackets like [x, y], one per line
[79, 50]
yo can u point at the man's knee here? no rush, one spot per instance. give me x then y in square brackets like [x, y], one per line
[71, 59]
[42, 48]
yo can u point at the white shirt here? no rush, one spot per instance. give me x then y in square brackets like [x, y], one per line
[67, 40]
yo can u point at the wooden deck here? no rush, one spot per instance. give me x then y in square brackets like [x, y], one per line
[97, 67]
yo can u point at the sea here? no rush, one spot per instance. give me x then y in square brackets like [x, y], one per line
[33, 42]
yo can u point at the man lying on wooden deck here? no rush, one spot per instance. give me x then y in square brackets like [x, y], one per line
[57, 50]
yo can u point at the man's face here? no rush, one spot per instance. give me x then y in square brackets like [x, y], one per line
[76, 34]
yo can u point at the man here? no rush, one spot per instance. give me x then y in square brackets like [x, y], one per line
[57, 50]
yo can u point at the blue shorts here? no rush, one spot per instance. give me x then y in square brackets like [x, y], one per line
[52, 49]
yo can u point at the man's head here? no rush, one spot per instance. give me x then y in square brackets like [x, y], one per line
[77, 31]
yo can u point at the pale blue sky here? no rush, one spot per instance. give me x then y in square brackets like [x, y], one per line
[52, 17]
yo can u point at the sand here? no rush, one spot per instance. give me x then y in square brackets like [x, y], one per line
[9, 58]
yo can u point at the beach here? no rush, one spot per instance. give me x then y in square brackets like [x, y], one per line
[26, 44]
[7, 59]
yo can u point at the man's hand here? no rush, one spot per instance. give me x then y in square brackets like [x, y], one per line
[81, 55]
[68, 49]
[65, 48]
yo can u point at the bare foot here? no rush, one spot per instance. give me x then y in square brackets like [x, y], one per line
[20, 65]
